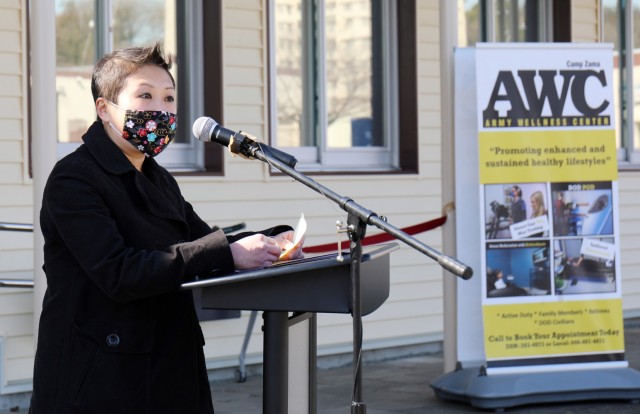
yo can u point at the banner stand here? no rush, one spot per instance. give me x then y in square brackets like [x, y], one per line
[475, 387]
[572, 339]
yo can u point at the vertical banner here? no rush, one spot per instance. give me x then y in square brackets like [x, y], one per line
[551, 290]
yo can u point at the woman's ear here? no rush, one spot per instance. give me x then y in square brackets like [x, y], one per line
[101, 110]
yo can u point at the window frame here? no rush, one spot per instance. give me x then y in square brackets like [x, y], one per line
[546, 29]
[213, 83]
[400, 46]
[191, 156]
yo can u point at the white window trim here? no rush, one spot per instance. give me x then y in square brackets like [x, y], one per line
[321, 158]
[545, 17]
[181, 156]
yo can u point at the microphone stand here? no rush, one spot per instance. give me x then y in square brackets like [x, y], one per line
[357, 220]
[356, 230]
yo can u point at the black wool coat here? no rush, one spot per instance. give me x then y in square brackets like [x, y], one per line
[116, 335]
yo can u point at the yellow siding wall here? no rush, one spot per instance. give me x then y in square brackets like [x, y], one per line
[629, 192]
[585, 25]
[16, 200]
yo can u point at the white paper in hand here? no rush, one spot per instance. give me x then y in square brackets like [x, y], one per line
[298, 236]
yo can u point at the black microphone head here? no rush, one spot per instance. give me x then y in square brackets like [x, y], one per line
[203, 128]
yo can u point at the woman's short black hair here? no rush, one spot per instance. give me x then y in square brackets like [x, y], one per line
[113, 69]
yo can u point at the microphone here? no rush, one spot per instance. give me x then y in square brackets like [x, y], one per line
[208, 130]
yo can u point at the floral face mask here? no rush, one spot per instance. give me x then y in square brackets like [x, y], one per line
[149, 131]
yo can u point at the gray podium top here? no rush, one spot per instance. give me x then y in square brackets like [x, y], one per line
[313, 284]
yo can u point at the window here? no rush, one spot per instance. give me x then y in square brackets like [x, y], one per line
[509, 21]
[337, 94]
[87, 29]
[621, 27]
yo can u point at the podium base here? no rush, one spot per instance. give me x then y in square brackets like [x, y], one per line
[497, 392]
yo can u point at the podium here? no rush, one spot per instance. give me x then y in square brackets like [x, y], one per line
[320, 284]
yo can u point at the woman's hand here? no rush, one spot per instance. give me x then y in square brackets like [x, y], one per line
[255, 251]
[289, 249]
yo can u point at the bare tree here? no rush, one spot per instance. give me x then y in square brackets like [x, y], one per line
[75, 36]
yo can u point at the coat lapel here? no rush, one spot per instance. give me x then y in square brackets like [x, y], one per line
[155, 189]
[153, 186]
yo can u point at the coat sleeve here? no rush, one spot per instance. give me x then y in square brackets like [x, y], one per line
[75, 215]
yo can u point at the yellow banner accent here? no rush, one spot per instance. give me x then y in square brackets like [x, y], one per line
[551, 155]
[559, 328]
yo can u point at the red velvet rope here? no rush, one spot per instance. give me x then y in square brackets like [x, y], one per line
[378, 238]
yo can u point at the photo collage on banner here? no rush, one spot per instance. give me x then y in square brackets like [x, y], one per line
[548, 182]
